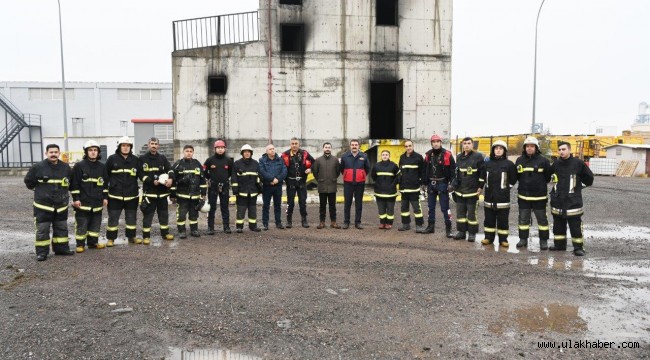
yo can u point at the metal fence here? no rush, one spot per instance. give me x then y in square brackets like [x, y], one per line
[216, 30]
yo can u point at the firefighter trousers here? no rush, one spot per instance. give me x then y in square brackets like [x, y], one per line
[246, 203]
[386, 209]
[412, 199]
[560, 229]
[526, 209]
[187, 212]
[467, 214]
[496, 222]
[161, 205]
[87, 226]
[115, 208]
[58, 222]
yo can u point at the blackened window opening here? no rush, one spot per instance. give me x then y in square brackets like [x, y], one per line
[290, 2]
[386, 12]
[292, 37]
[386, 110]
[217, 85]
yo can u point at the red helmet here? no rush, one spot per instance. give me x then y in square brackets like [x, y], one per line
[435, 137]
[219, 143]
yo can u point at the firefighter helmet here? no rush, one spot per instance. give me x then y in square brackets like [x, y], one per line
[531, 140]
[163, 178]
[246, 147]
[206, 207]
[435, 137]
[500, 143]
[124, 140]
[91, 143]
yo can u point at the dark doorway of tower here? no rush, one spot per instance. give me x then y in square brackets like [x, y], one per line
[386, 109]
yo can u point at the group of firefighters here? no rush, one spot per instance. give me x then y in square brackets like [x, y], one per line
[187, 182]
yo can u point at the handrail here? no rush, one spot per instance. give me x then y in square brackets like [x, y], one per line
[11, 109]
[216, 30]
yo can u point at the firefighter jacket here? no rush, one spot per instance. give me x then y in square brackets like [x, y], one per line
[411, 174]
[246, 178]
[152, 167]
[51, 183]
[355, 169]
[385, 175]
[123, 174]
[533, 173]
[439, 166]
[89, 185]
[218, 169]
[296, 165]
[567, 177]
[499, 176]
[189, 180]
[272, 169]
[468, 170]
[326, 170]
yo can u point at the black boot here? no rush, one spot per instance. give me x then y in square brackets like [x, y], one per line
[240, 228]
[289, 224]
[578, 250]
[522, 243]
[253, 227]
[471, 237]
[460, 235]
[448, 231]
[558, 245]
[305, 224]
[226, 229]
[430, 229]
[41, 257]
[543, 244]
[210, 230]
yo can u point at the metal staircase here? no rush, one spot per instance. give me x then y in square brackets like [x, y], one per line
[15, 124]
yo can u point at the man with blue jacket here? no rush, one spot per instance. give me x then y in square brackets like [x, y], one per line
[273, 172]
[354, 167]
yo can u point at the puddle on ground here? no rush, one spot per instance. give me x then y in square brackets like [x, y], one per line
[206, 354]
[541, 318]
[637, 271]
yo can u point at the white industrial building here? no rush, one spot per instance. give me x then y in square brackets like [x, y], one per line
[318, 70]
[639, 152]
[99, 111]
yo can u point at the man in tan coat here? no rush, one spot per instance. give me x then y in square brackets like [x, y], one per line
[326, 170]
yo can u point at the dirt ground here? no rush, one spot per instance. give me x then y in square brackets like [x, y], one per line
[331, 294]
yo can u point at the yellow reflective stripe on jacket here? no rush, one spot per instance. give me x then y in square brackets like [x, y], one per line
[409, 190]
[191, 197]
[157, 195]
[385, 174]
[247, 194]
[466, 195]
[556, 211]
[498, 205]
[532, 198]
[88, 208]
[75, 192]
[131, 172]
[50, 208]
[250, 173]
[522, 169]
[193, 171]
[148, 169]
[95, 180]
[386, 195]
[123, 198]
[468, 170]
[410, 166]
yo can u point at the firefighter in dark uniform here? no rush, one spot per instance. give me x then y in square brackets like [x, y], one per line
[568, 174]
[89, 189]
[157, 180]
[298, 163]
[189, 191]
[50, 180]
[499, 176]
[218, 170]
[123, 191]
[440, 169]
[411, 167]
[533, 174]
[469, 165]
[385, 174]
[246, 185]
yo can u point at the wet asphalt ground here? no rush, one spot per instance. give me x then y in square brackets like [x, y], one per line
[332, 294]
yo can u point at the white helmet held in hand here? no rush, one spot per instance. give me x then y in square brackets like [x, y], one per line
[205, 208]
[162, 178]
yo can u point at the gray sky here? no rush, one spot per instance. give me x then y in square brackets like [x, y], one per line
[592, 70]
